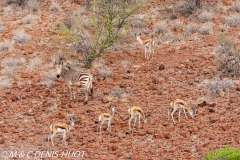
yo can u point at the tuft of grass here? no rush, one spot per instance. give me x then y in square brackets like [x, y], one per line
[190, 29]
[236, 6]
[233, 20]
[206, 28]
[11, 62]
[20, 37]
[48, 83]
[187, 7]
[223, 27]
[35, 63]
[105, 71]
[2, 28]
[5, 46]
[9, 72]
[54, 6]
[206, 16]
[176, 25]
[160, 27]
[226, 153]
[27, 19]
[32, 5]
[5, 84]
[218, 87]
[50, 75]
[116, 92]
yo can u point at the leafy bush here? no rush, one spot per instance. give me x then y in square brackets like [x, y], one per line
[226, 153]
[108, 20]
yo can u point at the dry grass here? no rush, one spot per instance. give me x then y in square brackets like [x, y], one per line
[54, 6]
[27, 19]
[177, 25]
[11, 62]
[5, 46]
[206, 16]
[20, 37]
[233, 20]
[34, 63]
[236, 6]
[190, 29]
[5, 84]
[160, 27]
[2, 27]
[207, 28]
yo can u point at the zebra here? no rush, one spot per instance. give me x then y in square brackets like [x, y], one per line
[74, 78]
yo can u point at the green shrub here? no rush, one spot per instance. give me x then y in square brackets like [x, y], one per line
[226, 153]
[104, 30]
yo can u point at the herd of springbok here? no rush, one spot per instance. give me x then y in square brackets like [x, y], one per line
[75, 79]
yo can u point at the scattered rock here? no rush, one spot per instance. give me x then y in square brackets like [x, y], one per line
[105, 100]
[161, 67]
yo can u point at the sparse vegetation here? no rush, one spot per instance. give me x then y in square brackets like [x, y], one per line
[5, 84]
[11, 62]
[187, 7]
[9, 72]
[54, 6]
[105, 71]
[206, 16]
[116, 92]
[35, 63]
[236, 6]
[2, 28]
[228, 56]
[190, 29]
[32, 5]
[20, 37]
[177, 25]
[226, 153]
[27, 19]
[160, 27]
[107, 21]
[5, 46]
[233, 20]
[218, 87]
[206, 28]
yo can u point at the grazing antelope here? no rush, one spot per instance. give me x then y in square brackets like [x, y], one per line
[180, 104]
[75, 78]
[135, 112]
[61, 129]
[106, 117]
[148, 45]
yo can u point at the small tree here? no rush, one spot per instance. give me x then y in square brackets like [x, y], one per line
[108, 19]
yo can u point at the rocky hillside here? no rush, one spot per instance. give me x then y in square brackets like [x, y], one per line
[184, 66]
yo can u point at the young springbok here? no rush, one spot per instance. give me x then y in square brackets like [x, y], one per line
[135, 112]
[105, 117]
[75, 78]
[148, 45]
[61, 129]
[179, 104]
